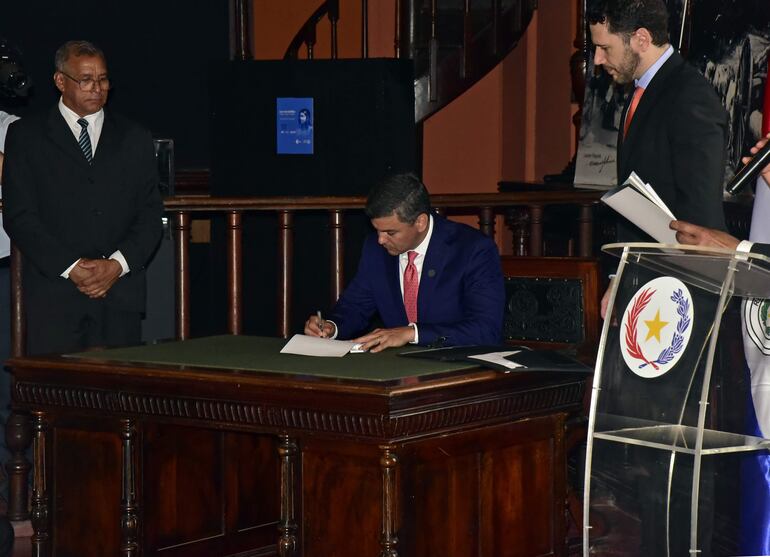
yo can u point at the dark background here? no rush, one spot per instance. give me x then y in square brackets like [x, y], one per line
[158, 54]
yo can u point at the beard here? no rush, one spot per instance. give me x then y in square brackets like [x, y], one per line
[625, 71]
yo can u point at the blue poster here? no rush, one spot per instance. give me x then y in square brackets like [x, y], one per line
[294, 126]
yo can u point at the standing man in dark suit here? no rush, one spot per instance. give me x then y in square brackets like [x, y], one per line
[81, 198]
[673, 130]
[431, 281]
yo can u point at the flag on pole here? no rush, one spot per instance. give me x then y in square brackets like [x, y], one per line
[755, 471]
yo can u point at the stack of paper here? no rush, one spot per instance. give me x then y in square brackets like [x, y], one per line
[639, 203]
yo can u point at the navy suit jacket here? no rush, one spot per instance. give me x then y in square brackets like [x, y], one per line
[460, 299]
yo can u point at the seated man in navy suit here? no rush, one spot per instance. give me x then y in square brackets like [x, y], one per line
[431, 281]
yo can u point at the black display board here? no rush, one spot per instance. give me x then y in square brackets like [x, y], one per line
[363, 126]
[158, 55]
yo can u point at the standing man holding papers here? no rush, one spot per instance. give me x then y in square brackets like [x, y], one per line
[431, 281]
[673, 129]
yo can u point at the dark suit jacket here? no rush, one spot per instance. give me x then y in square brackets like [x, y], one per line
[763, 249]
[58, 208]
[677, 143]
[461, 295]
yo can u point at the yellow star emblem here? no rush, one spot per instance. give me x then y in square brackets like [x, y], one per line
[654, 327]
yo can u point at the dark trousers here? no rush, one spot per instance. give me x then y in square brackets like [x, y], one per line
[53, 328]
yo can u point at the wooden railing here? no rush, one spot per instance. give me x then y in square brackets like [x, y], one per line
[452, 44]
[527, 241]
[182, 210]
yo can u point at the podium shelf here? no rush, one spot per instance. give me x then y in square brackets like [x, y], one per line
[681, 439]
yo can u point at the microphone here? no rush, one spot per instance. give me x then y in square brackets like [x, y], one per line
[749, 172]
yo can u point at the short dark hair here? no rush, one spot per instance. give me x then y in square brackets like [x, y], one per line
[623, 17]
[402, 194]
[75, 48]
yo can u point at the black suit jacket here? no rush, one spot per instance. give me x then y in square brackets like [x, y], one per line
[763, 249]
[676, 142]
[58, 207]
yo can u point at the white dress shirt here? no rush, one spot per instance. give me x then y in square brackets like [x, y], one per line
[5, 121]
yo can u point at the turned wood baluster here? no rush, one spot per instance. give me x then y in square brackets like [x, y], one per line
[18, 435]
[364, 29]
[40, 505]
[182, 256]
[517, 219]
[18, 428]
[536, 230]
[285, 270]
[18, 321]
[586, 230]
[242, 35]
[234, 272]
[487, 221]
[388, 540]
[287, 541]
[129, 512]
[337, 232]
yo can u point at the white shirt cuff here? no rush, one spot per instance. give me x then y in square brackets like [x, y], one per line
[335, 328]
[744, 245]
[66, 273]
[117, 256]
[416, 334]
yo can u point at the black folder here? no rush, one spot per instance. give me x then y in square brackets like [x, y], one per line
[530, 360]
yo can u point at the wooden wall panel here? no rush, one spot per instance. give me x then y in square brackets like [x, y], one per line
[183, 493]
[92, 458]
[342, 482]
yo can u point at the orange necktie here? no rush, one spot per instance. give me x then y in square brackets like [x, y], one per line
[632, 108]
[411, 286]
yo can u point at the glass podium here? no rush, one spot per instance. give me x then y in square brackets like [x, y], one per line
[665, 446]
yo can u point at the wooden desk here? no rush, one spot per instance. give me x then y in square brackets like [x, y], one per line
[220, 446]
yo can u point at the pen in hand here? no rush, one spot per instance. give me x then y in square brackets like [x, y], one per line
[321, 323]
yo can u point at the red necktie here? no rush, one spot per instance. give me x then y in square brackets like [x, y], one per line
[411, 285]
[632, 108]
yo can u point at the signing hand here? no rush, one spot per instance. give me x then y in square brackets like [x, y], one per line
[317, 327]
[380, 339]
[694, 235]
[103, 274]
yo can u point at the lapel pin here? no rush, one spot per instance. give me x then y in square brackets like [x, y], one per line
[431, 273]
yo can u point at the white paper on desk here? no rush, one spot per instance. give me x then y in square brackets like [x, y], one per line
[642, 209]
[498, 358]
[305, 345]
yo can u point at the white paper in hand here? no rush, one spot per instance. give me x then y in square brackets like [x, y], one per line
[639, 203]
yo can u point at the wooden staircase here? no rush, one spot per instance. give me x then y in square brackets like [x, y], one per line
[453, 43]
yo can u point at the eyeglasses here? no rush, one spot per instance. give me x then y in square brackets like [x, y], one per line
[88, 84]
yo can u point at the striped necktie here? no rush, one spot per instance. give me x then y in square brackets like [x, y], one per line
[84, 141]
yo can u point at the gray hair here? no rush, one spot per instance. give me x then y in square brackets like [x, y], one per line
[75, 48]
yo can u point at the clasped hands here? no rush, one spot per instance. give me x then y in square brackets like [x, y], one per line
[94, 277]
[376, 341]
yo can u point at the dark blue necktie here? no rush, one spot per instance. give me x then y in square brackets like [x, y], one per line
[84, 141]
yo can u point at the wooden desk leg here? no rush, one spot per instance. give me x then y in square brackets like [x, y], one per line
[18, 436]
[129, 513]
[287, 542]
[40, 537]
[388, 540]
